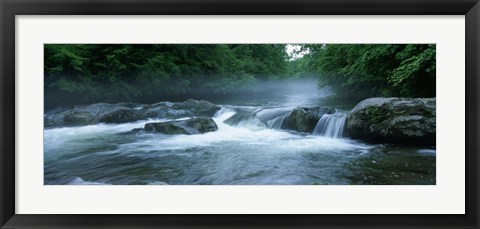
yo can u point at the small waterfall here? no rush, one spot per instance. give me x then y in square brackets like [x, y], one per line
[277, 122]
[331, 125]
[222, 111]
[261, 118]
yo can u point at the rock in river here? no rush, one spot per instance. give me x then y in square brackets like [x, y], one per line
[304, 119]
[198, 107]
[188, 108]
[128, 112]
[190, 126]
[92, 114]
[400, 120]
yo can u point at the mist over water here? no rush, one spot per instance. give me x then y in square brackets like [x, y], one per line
[283, 93]
[248, 148]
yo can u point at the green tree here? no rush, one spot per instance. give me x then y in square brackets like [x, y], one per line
[88, 73]
[364, 70]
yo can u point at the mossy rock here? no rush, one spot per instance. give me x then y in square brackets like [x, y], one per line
[399, 120]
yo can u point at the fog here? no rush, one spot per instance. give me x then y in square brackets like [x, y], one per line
[289, 92]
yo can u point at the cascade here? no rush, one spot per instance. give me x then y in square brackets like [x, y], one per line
[331, 125]
[271, 118]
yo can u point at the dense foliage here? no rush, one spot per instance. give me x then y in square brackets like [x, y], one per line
[86, 73]
[109, 73]
[365, 70]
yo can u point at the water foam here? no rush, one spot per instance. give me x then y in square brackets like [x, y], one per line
[80, 181]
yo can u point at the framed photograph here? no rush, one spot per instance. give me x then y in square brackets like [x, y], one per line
[264, 114]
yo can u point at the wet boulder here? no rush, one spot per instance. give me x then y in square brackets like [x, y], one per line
[121, 115]
[188, 127]
[398, 120]
[188, 108]
[198, 107]
[92, 114]
[128, 112]
[304, 119]
[72, 117]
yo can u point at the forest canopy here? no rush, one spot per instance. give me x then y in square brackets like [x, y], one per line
[88, 73]
[373, 69]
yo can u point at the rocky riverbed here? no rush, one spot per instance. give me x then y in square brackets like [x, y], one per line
[299, 140]
[397, 120]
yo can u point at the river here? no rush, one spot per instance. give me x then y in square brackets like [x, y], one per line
[243, 151]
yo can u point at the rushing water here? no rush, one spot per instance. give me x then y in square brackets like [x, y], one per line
[331, 125]
[248, 148]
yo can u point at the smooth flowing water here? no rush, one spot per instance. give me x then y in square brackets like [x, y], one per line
[248, 148]
[331, 125]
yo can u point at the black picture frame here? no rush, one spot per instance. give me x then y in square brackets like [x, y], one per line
[10, 8]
